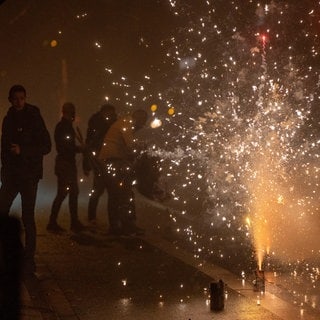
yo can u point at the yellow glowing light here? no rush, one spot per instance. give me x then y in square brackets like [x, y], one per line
[171, 111]
[154, 108]
[53, 43]
[156, 123]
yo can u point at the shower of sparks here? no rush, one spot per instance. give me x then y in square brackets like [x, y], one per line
[245, 124]
[239, 136]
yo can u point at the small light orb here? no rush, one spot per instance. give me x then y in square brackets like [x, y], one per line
[171, 111]
[154, 108]
[53, 43]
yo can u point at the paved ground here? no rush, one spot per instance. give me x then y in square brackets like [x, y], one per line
[92, 276]
[82, 278]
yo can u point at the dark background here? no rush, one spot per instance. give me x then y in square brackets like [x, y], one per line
[128, 32]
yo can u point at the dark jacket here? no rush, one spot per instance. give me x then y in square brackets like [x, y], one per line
[97, 128]
[27, 129]
[65, 139]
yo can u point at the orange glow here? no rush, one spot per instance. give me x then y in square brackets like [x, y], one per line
[171, 111]
[53, 43]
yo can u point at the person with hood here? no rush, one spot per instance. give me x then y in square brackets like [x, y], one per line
[24, 141]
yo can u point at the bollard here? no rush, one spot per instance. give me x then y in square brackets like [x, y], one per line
[217, 296]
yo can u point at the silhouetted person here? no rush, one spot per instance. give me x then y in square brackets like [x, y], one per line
[11, 251]
[66, 170]
[117, 155]
[98, 125]
[24, 141]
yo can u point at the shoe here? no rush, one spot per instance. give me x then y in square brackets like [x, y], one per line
[54, 227]
[77, 227]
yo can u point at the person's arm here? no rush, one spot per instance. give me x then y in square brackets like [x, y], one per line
[5, 142]
[45, 141]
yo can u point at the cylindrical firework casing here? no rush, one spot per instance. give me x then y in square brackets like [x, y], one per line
[217, 296]
[259, 282]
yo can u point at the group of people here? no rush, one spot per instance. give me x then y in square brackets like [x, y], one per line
[109, 151]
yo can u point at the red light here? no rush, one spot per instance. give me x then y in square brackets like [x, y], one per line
[263, 38]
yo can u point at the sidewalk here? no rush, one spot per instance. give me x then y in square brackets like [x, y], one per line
[42, 298]
[94, 277]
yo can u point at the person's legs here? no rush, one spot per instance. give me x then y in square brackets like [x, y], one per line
[73, 202]
[127, 203]
[121, 205]
[112, 181]
[62, 192]
[114, 203]
[28, 193]
[8, 192]
[97, 191]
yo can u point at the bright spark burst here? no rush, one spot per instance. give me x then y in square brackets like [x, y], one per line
[240, 152]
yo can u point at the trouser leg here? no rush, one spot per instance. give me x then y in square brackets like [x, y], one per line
[8, 192]
[127, 206]
[121, 207]
[28, 201]
[62, 192]
[112, 180]
[113, 209]
[73, 200]
[97, 191]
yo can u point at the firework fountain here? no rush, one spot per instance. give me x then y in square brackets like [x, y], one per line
[238, 141]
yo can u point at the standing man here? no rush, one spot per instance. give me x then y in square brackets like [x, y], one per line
[98, 125]
[66, 170]
[117, 154]
[24, 141]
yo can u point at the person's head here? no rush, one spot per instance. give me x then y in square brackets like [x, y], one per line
[139, 117]
[17, 96]
[69, 111]
[108, 112]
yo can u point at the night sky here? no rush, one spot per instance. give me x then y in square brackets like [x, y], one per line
[91, 36]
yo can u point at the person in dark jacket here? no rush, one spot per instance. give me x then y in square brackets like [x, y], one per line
[98, 125]
[66, 170]
[24, 141]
